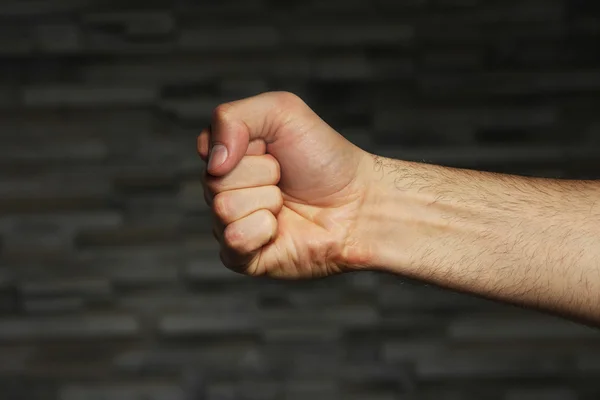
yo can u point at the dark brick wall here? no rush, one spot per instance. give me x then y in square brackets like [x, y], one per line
[110, 286]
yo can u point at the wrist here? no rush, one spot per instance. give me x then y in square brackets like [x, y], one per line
[377, 241]
[408, 210]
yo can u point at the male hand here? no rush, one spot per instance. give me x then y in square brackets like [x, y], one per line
[286, 189]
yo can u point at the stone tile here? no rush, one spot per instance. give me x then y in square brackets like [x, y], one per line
[407, 297]
[14, 359]
[227, 302]
[104, 41]
[45, 205]
[41, 7]
[55, 305]
[353, 315]
[138, 23]
[234, 89]
[209, 269]
[15, 40]
[6, 278]
[337, 5]
[130, 236]
[131, 274]
[483, 157]
[124, 391]
[9, 97]
[148, 70]
[90, 96]
[245, 391]
[51, 239]
[191, 109]
[588, 362]
[396, 351]
[459, 392]
[229, 37]
[373, 396]
[351, 35]
[89, 150]
[515, 327]
[47, 126]
[133, 266]
[476, 364]
[453, 59]
[320, 390]
[58, 38]
[194, 324]
[191, 196]
[343, 67]
[369, 374]
[426, 119]
[68, 328]
[508, 83]
[226, 358]
[393, 67]
[303, 334]
[546, 393]
[81, 287]
[155, 209]
[22, 387]
[68, 221]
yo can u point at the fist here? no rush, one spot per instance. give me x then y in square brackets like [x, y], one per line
[286, 190]
[245, 204]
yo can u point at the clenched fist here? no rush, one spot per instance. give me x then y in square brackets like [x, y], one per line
[294, 199]
[285, 188]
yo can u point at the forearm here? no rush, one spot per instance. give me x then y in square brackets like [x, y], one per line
[532, 242]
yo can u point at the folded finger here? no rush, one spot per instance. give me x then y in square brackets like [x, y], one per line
[243, 239]
[252, 171]
[233, 205]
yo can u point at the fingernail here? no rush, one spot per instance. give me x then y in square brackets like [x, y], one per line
[218, 155]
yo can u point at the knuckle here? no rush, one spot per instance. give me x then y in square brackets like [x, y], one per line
[287, 99]
[273, 168]
[222, 112]
[267, 220]
[234, 240]
[221, 206]
[278, 196]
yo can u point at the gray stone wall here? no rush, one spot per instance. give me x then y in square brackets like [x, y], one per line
[110, 285]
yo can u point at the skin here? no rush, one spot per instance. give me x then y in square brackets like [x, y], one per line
[293, 199]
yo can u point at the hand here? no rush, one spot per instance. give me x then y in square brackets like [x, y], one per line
[285, 188]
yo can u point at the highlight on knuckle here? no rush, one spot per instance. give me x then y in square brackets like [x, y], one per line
[234, 239]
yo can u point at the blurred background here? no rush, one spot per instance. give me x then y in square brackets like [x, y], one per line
[110, 283]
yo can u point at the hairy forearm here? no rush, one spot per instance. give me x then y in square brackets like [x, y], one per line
[526, 241]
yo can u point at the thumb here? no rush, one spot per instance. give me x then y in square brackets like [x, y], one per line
[234, 125]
